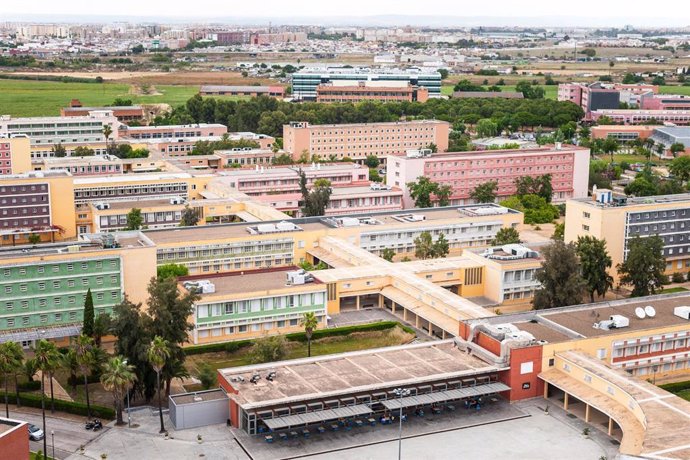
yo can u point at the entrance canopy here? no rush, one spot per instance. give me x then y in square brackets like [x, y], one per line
[444, 396]
[317, 417]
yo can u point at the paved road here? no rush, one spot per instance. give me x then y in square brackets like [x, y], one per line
[68, 435]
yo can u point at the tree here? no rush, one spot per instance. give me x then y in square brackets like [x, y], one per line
[34, 238]
[190, 217]
[46, 356]
[424, 246]
[676, 148]
[172, 270]
[314, 201]
[529, 91]
[645, 265]
[443, 193]
[506, 235]
[441, 247]
[486, 128]
[589, 52]
[207, 375]
[87, 328]
[388, 254]
[11, 359]
[485, 193]
[134, 219]
[83, 151]
[444, 73]
[310, 322]
[422, 190]
[158, 355]
[101, 327]
[540, 186]
[58, 150]
[268, 349]
[372, 161]
[560, 277]
[83, 347]
[611, 146]
[595, 262]
[107, 131]
[559, 232]
[118, 377]
[69, 362]
[680, 168]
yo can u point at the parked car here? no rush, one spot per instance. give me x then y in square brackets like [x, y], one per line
[35, 433]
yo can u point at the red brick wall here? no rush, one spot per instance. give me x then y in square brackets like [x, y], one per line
[489, 343]
[234, 409]
[517, 381]
[14, 444]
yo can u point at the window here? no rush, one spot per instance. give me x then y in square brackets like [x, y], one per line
[41, 286]
[242, 328]
[601, 353]
[84, 281]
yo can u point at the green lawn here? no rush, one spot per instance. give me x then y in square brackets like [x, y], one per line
[21, 98]
[326, 346]
[673, 290]
[550, 91]
[34, 456]
[684, 90]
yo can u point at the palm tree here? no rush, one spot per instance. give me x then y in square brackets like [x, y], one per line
[46, 356]
[118, 377]
[83, 347]
[70, 363]
[310, 323]
[158, 354]
[50, 368]
[107, 131]
[11, 360]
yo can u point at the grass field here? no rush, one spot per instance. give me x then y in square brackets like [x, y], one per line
[550, 91]
[683, 90]
[326, 346]
[674, 290]
[36, 98]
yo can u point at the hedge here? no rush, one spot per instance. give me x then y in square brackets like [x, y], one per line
[676, 387]
[60, 78]
[299, 337]
[30, 386]
[77, 408]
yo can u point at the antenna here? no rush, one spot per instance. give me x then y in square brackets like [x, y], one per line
[651, 312]
[640, 313]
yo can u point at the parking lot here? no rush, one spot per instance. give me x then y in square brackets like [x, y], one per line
[69, 433]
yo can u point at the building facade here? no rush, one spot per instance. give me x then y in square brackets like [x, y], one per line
[464, 171]
[15, 155]
[370, 91]
[50, 131]
[634, 117]
[357, 141]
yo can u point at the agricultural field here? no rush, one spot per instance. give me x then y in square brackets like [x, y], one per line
[45, 98]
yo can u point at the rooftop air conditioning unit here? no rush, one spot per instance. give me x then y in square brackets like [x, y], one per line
[299, 277]
[176, 200]
[682, 312]
[618, 321]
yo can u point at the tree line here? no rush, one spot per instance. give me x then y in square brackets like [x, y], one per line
[267, 115]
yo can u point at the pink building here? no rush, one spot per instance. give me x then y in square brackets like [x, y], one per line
[463, 171]
[359, 140]
[633, 117]
[172, 131]
[285, 180]
[664, 102]
[344, 200]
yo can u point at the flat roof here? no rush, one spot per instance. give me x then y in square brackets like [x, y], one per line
[382, 123]
[492, 153]
[542, 332]
[128, 205]
[247, 282]
[683, 198]
[347, 373]
[199, 396]
[129, 178]
[281, 170]
[168, 127]
[385, 218]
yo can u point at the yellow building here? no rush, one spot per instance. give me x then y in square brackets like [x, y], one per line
[618, 220]
[15, 155]
[37, 203]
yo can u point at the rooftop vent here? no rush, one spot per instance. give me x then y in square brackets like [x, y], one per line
[614, 322]
[280, 227]
[200, 286]
[682, 312]
[299, 277]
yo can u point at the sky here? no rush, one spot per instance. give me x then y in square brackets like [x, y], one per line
[678, 11]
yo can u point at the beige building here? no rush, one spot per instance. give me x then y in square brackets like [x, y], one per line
[15, 155]
[618, 220]
[357, 141]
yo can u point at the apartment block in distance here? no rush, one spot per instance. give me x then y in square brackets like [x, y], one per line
[382, 91]
[359, 140]
[15, 155]
[40, 203]
[463, 171]
[618, 220]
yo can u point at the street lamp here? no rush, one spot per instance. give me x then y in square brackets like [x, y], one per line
[654, 369]
[52, 441]
[400, 393]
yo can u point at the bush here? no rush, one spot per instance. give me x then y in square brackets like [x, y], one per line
[676, 387]
[76, 408]
[677, 277]
[30, 386]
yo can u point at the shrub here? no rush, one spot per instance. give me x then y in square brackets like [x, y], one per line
[34, 385]
[677, 277]
[76, 408]
[676, 387]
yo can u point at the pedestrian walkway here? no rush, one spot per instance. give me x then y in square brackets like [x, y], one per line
[58, 391]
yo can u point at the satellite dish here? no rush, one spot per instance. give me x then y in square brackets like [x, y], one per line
[651, 312]
[640, 313]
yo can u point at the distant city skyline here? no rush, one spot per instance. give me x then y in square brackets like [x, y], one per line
[356, 12]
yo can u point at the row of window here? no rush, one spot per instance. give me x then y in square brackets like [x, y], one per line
[56, 301]
[635, 350]
[40, 269]
[258, 305]
[256, 327]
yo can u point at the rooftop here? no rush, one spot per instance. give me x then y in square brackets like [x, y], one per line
[364, 71]
[244, 89]
[36, 175]
[93, 180]
[386, 123]
[347, 373]
[115, 107]
[144, 205]
[493, 153]
[681, 198]
[248, 282]
[199, 396]
[173, 127]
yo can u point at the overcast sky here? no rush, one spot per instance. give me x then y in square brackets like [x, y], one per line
[208, 9]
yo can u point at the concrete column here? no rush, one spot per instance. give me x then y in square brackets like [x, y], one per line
[546, 390]
[416, 321]
[380, 301]
[443, 334]
[586, 412]
[393, 307]
[430, 328]
[610, 426]
[358, 303]
[565, 401]
[404, 313]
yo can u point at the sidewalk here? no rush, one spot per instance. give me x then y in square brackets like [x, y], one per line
[58, 391]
